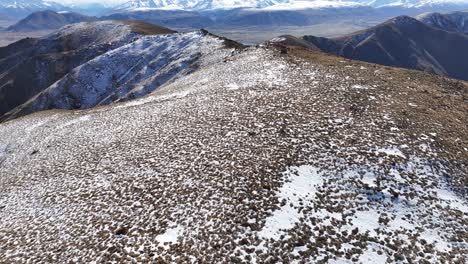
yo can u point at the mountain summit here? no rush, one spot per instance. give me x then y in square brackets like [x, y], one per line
[46, 20]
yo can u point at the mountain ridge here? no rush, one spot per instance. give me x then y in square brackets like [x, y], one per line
[263, 155]
[455, 21]
[404, 42]
[31, 65]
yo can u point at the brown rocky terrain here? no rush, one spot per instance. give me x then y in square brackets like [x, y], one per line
[273, 154]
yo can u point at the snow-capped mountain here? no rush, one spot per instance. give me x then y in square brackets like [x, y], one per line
[25, 7]
[197, 4]
[137, 4]
[27, 4]
[280, 4]
[415, 3]
[203, 5]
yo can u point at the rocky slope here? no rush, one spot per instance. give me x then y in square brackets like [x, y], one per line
[30, 66]
[404, 42]
[46, 20]
[128, 72]
[268, 155]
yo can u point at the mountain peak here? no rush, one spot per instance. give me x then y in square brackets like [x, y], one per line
[404, 20]
[48, 19]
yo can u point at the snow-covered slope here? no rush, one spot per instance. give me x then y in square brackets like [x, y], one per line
[129, 72]
[30, 66]
[263, 157]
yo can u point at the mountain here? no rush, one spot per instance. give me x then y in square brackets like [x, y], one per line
[46, 20]
[125, 73]
[203, 5]
[404, 42]
[416, 3]
[90, 8]
[134, 4]
[22, 8]
[454, 22]
[264, 154]
[167, 18]
[30, 66]
[196, 4]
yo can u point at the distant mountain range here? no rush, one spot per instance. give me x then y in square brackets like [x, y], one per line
[407, 42]
[281, 4]
[22, 8]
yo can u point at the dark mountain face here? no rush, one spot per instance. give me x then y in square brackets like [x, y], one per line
[454, 22]
[29, 66]
[404, 42]
[172, 19]
[46, 20]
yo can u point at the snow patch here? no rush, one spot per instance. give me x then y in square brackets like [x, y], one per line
[170, 236]
[391, 151]
[301, 186]
[370, 255]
